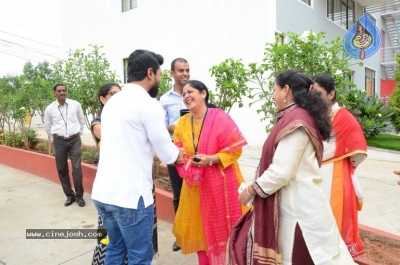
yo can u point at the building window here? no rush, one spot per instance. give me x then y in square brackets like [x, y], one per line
[308, 2]
[369, 81]
[341, 12]
[128, 5]
[125, 65]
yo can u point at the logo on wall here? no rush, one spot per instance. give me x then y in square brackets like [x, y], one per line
[363, 39]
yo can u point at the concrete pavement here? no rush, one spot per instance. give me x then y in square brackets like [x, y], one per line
[31, 202]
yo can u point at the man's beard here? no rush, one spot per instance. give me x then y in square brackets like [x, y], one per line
[154, 90]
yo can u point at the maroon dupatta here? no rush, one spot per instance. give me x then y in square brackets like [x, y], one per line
[264, 249]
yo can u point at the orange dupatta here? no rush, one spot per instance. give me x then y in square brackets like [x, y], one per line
[349, 140]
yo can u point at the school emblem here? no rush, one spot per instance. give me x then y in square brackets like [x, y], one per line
[363, 39]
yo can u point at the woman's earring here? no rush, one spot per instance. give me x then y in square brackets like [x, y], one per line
[284, 100]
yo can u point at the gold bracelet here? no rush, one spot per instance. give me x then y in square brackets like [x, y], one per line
[248, 193]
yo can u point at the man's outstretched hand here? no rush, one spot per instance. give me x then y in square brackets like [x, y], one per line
[181, 157]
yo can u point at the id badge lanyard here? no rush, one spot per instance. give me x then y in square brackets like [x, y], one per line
[65, 120]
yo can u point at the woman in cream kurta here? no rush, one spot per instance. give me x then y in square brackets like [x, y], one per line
[291, 222]
[295, 171]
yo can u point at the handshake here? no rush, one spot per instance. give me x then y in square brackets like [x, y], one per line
[179, 160]
[181, 157]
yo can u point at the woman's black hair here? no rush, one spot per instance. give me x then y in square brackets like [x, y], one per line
[200, 86]
[308, 98]
[327, 83]
[103, 91]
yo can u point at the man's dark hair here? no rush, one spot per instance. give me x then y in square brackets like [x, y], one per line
[181, 60]
[57, 85]
[141, 60]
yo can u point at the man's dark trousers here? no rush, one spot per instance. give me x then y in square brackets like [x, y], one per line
[73, 148]
[176, 185]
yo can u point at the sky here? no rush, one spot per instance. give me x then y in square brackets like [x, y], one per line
[30, 30]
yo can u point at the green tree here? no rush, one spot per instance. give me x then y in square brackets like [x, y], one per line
[165, 84]
[6, 93]
[14, 106]
[37, 84]
[84, 73]
[311, 54]
[231, 78]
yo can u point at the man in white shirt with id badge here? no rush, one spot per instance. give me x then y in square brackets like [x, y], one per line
[64, 123]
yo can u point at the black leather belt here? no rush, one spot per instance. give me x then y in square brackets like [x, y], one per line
[66, 138]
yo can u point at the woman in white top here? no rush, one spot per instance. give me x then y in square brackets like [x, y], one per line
[291, 221]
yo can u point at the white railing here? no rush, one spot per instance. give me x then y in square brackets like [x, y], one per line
[384, 7]
[388, 55]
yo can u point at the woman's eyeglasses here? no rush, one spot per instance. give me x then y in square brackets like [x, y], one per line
[112, 93]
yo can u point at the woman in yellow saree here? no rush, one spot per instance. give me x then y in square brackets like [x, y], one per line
[208, 206]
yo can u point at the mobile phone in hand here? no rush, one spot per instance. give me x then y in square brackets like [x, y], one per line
[196, 159]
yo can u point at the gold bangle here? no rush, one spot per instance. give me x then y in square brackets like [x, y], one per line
[248, 193]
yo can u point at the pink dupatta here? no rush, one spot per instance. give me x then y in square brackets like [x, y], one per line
[219, 206]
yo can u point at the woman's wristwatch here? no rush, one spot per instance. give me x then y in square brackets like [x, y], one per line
[210, 163]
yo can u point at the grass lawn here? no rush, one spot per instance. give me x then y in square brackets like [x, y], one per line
[385, 141]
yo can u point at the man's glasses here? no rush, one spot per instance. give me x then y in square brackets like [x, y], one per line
[112, 93]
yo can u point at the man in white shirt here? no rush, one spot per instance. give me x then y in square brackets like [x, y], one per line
[132, 127]
[172, 103]
[64, 123]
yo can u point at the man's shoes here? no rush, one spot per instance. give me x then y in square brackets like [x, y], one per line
[69, 201]
[175, 247]
[81, 202]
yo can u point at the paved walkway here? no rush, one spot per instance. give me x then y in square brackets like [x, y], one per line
[31, 202]
[27, 201]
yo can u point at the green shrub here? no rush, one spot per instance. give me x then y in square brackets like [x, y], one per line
[372, 114]
[32, 136]
[2, 136]
[13, 139]
[42, 146]
[90, 155]
[394, 105]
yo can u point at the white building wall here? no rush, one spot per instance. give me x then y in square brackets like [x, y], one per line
[203, 32]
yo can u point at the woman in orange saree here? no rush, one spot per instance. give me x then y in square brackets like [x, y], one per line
[342, 154]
